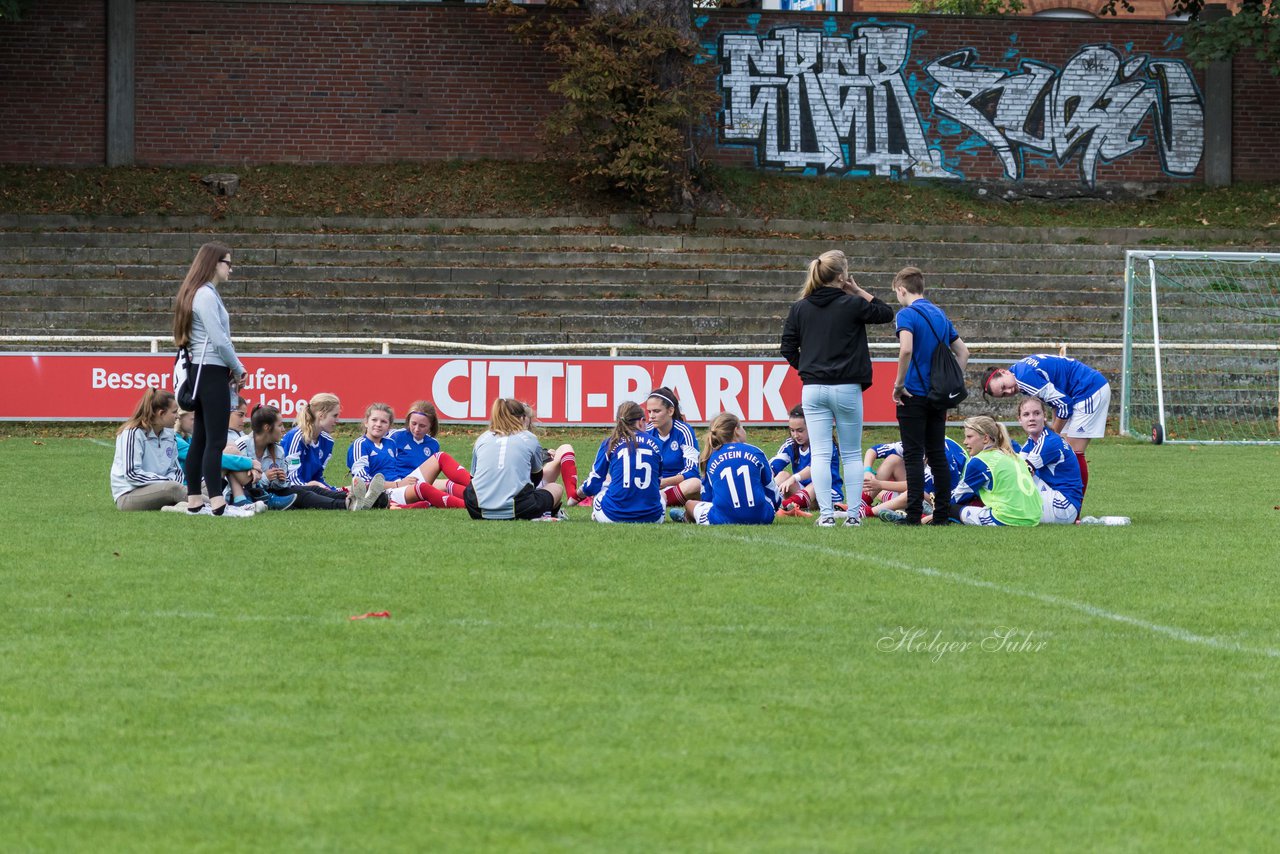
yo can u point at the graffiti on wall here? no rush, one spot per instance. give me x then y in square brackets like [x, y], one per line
[808, 99]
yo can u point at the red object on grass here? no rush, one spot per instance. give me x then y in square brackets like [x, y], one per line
[372, 614]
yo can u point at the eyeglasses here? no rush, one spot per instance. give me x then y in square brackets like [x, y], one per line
[225, 261]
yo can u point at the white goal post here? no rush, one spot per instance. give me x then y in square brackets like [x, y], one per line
[1202, 347]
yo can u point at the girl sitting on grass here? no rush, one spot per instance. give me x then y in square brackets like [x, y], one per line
[737, 482]
[505, 457]
[797, 488]
[561, 464]
[996, 475]
[263, 445]
[145, 474]
[1053, 465]
[419, 462]
[310, 441]
[629, 459]
[679, 446]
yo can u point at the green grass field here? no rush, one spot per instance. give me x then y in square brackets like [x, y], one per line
[196, 684]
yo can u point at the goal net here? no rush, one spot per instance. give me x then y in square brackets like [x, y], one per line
[1202, 347]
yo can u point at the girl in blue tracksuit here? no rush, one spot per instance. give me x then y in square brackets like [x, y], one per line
[679, 473]
[737, 482]
[629, 460]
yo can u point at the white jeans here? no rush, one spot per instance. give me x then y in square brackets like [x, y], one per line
[841, 406]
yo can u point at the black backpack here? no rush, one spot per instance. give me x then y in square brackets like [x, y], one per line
[946, 377]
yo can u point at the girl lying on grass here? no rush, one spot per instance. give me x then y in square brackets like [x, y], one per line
[145, 473]
[629, 459]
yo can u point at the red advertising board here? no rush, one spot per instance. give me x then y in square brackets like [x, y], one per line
[105, 387]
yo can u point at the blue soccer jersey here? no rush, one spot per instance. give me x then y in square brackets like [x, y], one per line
[679, 450]
[633, 494]
[410, 453]
[366, 459]
[799, 459]
[312, 457]
[739, 484]
[1054, 463]
[1057, 380]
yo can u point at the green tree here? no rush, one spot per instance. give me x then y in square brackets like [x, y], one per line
[966, 7]
[1254, 28]
[637, 93]
[13, 10]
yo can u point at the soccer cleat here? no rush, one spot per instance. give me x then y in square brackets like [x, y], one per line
[376, 487]
[356, 497]
[676, 514]
[840, 505]
[897, 517]
[826, 522]
[279, 502]
[237, 512]
[561, 515]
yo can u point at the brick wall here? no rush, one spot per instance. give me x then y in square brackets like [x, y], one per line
[342, 84]
[53, 67]
[226, 83]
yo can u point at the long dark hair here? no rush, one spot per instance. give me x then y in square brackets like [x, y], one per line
[668, 397]
[201, 272]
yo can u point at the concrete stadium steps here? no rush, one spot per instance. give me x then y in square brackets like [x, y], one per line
[558, 287]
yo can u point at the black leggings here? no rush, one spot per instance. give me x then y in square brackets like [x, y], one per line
[314, 497]
[209, 437]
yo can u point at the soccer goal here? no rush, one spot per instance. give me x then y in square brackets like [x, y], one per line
[1202, 347]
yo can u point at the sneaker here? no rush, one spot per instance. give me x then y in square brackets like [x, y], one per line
[372, 493]
[237, 512]
[561, 515]
[826, 522]
[174, 508]
[356, 496]
[897, 517]
[928, 508]
[547, 517]
[676, 514]
[853, 520]
[279, 502]
[205, 510]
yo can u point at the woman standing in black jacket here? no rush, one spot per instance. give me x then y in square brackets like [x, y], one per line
[825, 340]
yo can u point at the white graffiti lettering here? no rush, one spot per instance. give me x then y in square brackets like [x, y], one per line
[808, 100]
[1093, 108]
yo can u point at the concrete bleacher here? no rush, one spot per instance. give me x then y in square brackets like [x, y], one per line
[720, 282]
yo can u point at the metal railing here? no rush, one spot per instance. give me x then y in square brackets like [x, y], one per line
[164, 343]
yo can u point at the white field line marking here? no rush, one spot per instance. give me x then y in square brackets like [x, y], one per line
[1083, 607]
[102, 443]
